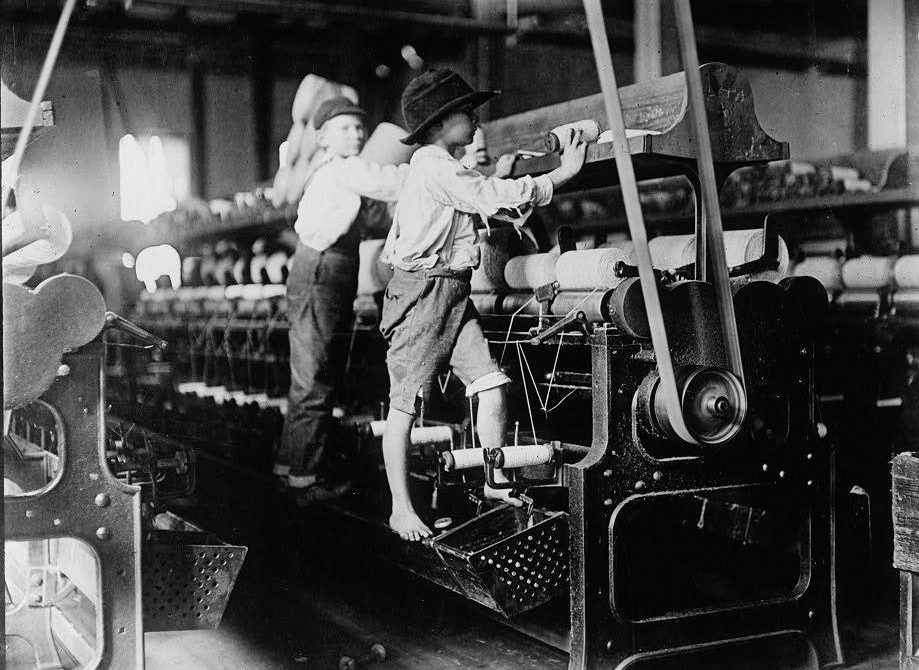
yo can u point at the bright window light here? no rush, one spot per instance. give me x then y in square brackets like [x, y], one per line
[154, 175]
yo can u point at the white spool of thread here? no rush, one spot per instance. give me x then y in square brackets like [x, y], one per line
[672, 251]
[274, 291]
[906, 271]
[486, 303]
[496, 248]
[526, 303]
[420, 434]
[372, 275]
[868, 272]
[233, 292]
[431, 434]
[825, 269]
[590, 132]
[256, 265]
[843, 173]
[587, 270]
[743, 246]
[514, 457]
[591, 305]
[384, 148]
[530, 272]
[274, 266]
[740, 246]
[253, 292]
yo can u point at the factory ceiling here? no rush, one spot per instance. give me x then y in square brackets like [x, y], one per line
[828, 34]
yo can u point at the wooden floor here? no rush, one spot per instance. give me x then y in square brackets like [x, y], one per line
[312, 618]
[306, 606]
[275, 623]
[302, 603]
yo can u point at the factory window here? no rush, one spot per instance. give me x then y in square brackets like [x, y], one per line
[155, 173]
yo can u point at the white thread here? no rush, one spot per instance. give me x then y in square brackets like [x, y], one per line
[472, 421]
[542, 405]
[525, 392]
[559, 403]
[443, 386]
[510, 326]
[554, 368]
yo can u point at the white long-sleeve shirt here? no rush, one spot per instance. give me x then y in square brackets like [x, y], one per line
[434, 221]
[332, 197]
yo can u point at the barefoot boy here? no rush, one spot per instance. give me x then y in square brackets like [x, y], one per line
[428, 318]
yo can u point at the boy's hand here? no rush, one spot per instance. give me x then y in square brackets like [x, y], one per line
[574, 151]
[505, 166]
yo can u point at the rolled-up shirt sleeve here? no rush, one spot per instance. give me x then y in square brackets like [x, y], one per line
[508, 199]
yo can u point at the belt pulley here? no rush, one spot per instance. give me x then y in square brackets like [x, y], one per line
[699, 406]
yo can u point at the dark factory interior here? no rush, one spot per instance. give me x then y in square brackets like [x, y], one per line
[438, 334]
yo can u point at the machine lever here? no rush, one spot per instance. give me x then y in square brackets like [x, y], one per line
[476, 500]
[577, 320]
[112, 320]
[625, 270]
[526, 500]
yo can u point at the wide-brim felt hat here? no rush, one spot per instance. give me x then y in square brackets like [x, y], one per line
[432, 96]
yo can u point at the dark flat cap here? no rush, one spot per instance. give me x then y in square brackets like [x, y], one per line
[335, 107]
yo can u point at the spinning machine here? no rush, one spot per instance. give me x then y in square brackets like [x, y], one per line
[664, 438]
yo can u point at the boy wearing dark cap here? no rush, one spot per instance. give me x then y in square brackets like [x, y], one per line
[428, 318]
[337, 205]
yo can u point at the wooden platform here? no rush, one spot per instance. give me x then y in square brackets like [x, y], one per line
[302, 602]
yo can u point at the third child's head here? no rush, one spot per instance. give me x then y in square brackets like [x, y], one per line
[454, 130]
[438, 107]
[340, 127]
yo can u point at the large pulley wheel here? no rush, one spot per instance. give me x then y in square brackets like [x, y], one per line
[712, 402]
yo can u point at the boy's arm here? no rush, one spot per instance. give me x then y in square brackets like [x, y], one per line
[380, 182]
[470, 191]
[574, 151]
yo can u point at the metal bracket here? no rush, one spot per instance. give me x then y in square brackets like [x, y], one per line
[86, 502]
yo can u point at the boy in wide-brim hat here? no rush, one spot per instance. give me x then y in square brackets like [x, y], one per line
[428, 318]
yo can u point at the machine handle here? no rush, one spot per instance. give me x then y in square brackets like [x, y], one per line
[577, 320]
[112, 320]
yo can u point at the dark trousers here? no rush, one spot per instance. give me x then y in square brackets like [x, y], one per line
[321, 289]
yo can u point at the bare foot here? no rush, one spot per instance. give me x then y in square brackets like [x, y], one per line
[409, 526]
[504, 495]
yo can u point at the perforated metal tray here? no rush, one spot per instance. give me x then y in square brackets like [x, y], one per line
[188, 575]
[509, 559]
